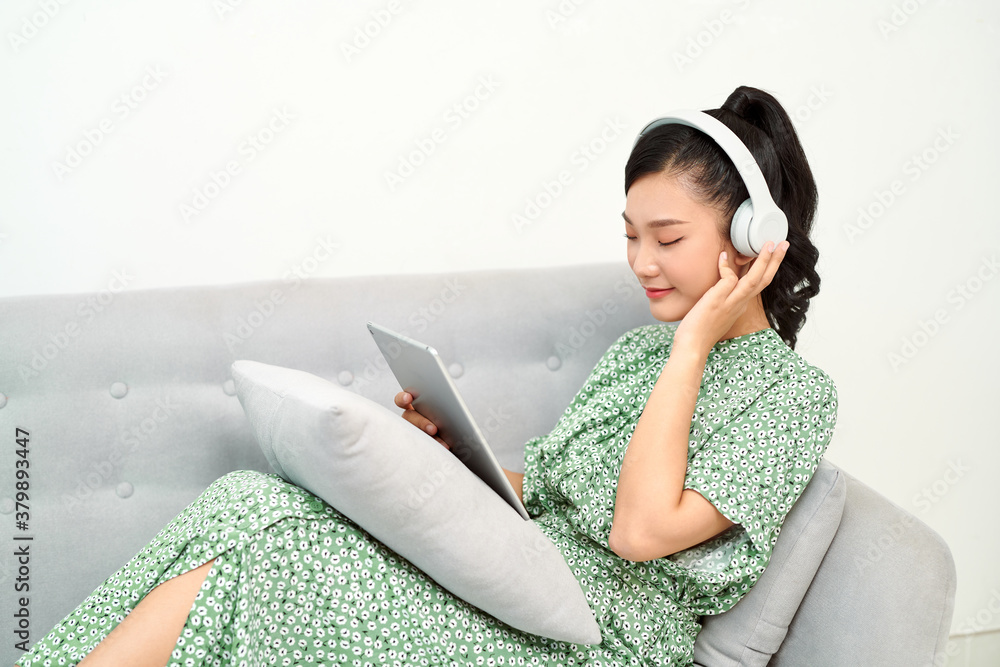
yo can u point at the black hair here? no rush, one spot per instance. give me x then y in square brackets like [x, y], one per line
[764, 127]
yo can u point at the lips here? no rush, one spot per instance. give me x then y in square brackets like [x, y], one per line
[657, 293]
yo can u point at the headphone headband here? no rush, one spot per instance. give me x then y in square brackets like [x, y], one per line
[768, 220]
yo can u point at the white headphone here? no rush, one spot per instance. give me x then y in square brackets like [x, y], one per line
[758, 219]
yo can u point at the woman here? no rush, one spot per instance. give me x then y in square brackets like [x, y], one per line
[663, 484]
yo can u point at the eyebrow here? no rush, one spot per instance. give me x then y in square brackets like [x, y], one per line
[656, 224]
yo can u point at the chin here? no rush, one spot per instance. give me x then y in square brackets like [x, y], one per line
[670, 315]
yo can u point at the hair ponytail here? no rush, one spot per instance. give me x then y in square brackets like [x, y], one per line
[762, 124]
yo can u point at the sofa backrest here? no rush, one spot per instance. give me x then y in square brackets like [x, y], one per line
[132, 412]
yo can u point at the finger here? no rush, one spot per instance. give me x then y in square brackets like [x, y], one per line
[727, 277]
[421, 422]
[773, 261]
[726, 271]
[728, 280]
[766, 265]
[759, 264]
[412, 416]
[403, 399]
[761, 271]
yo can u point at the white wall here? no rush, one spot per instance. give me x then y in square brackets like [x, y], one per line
[895, 101]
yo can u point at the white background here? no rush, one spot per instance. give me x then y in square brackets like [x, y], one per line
[117, 115]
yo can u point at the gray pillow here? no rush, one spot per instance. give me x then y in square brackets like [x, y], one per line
[751, 632]
[416, 497]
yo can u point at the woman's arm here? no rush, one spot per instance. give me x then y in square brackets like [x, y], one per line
[654, 514]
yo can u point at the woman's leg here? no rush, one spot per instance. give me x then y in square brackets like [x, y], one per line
[147, 635]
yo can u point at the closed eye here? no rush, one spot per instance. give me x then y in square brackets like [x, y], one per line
[633, 238]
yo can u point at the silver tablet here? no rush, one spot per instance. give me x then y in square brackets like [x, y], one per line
[420, 371]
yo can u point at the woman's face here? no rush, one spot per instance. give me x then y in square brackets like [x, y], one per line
[673, 244]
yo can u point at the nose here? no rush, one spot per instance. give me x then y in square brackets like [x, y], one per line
[644, 264]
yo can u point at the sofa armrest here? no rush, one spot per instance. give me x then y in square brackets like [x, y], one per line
[884, 594]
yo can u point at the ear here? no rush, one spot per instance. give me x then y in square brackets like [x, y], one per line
[741, 263]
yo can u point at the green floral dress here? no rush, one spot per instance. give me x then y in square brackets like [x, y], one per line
[296, 583]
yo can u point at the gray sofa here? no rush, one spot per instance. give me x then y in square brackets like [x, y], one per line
[131, 410]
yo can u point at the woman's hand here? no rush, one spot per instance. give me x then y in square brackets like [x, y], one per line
[405, 400]
[718, 309]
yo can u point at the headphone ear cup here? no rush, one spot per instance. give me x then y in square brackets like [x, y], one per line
[739, 230]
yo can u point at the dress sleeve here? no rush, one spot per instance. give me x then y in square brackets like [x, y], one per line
[756, 465]
[542, 454]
